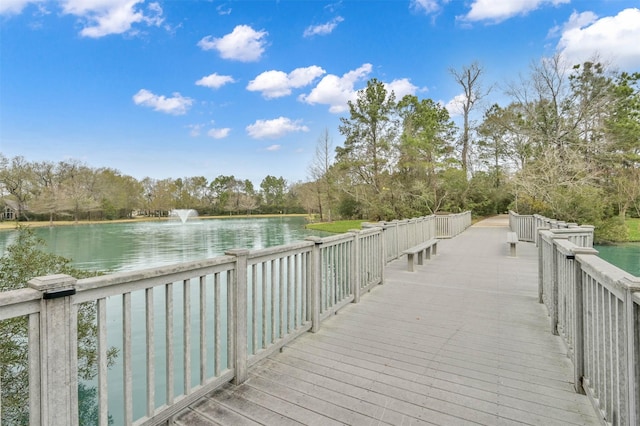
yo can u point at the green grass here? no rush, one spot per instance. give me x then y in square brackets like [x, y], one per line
[337, 227]
[634, 229]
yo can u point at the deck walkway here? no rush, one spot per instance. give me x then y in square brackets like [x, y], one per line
[461, 341]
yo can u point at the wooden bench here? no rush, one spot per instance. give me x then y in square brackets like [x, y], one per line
[421, 250]
[512, 240]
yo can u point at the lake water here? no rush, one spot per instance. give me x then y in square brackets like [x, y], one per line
[624, 256]
[129, 246]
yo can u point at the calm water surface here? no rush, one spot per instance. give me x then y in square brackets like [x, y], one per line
[130, 246]
[624, 256]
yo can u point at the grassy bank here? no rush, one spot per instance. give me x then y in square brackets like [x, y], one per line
[633, 225]
[12, 224]
[338, 227]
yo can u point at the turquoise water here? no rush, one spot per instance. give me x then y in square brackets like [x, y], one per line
[130, 246]
[624, 256]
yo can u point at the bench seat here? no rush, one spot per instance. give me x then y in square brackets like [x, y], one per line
[421, 250]
[512, 240]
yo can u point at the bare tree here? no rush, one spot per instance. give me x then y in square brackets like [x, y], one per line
[320, 172]
[469, 77]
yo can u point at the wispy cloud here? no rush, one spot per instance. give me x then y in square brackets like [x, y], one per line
[176, 104]
[322, 29]
[274, 147]
[15, 7]
[276, 128]
[275, 84]
[219, 133]
[215, 81]
[243, 44]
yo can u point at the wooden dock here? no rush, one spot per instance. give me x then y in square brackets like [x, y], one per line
[463, 340]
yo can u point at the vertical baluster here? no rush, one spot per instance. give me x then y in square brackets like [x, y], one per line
[281, 279]
[34, 369]
[273, 301]
[601, 346]
[103, 396]
[168, 318]
[151, 395]
[289, 292]
[332, 288]
[296, 284]
[203, 329]
[264, 305]
[230, 321]
[217, 325]
[186, 335]
[254, 309]
[305, 273]
[608, 352]
[127, 386]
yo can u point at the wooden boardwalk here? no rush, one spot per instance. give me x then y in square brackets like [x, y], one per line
[462, 340]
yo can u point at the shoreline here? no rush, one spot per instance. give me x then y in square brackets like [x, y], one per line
[12, 225]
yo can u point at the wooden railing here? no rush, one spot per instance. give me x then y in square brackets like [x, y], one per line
[595, 308]
[196, 325]
[527, 226]
[399, 235]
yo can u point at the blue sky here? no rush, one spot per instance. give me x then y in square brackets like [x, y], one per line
[247, 88]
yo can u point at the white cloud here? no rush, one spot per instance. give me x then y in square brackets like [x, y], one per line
[176, 105]
[219, 133]
[215, 81]
[337, 91]
[104, 17]
[14, 7]
[576, 20]
[243, 44]
[274, 147]
[322, 29]
[454, 106]
[276, 128]
[401, 88]
[275, 84]
[500, 10]
[614, 38]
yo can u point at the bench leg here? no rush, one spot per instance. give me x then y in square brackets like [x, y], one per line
[420, 258]
[410, 262]
[512, 249]
[434, 249]
[427, 252]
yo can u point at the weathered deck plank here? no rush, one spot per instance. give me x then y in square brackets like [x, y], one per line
[460, 341]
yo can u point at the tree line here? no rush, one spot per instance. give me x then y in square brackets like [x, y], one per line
[566, 144]
[71, 190]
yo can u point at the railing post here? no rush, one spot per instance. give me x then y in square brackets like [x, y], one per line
[58, 350]
[631, 349]
[239, 315]
[539, 243]
[356, 253]
[555, 282]
[316, 277]
[578, 319]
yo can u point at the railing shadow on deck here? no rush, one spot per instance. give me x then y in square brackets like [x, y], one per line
[595, 308]
[197, 325]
